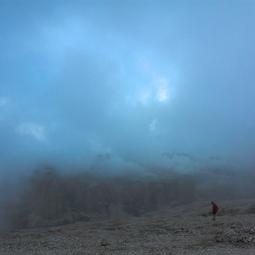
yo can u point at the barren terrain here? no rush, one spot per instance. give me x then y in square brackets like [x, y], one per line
[185, 229]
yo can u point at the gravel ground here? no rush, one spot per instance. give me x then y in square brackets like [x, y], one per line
[181, 230]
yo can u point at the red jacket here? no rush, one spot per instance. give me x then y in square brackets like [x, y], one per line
[215, 208]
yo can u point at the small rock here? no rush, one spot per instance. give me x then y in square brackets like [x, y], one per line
[104, 243]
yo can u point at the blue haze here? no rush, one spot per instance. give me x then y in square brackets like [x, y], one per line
[129, 79]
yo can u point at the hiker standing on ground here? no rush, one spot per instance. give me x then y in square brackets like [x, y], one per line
[215, 209]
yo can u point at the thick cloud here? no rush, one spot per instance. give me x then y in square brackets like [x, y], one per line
[134, 80]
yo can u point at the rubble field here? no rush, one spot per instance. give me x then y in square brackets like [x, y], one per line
[187, 229]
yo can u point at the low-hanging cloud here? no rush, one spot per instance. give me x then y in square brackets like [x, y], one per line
[134, 80]
[33, 130]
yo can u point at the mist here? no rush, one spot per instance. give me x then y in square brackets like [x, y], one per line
[133, 80]
[95, 91]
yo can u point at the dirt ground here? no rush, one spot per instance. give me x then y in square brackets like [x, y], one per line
[181, 230]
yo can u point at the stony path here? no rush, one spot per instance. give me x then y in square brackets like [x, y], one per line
[182, 230]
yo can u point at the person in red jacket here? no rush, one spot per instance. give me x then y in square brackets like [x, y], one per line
[215, 209]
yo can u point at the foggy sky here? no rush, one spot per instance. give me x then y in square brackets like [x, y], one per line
[129, 79]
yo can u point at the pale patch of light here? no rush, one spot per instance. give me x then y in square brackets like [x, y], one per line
[145, 97]
[144, 64]
[3, 101]
[98, 147]
[34, 130]
[153, 125]
[162, 93]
